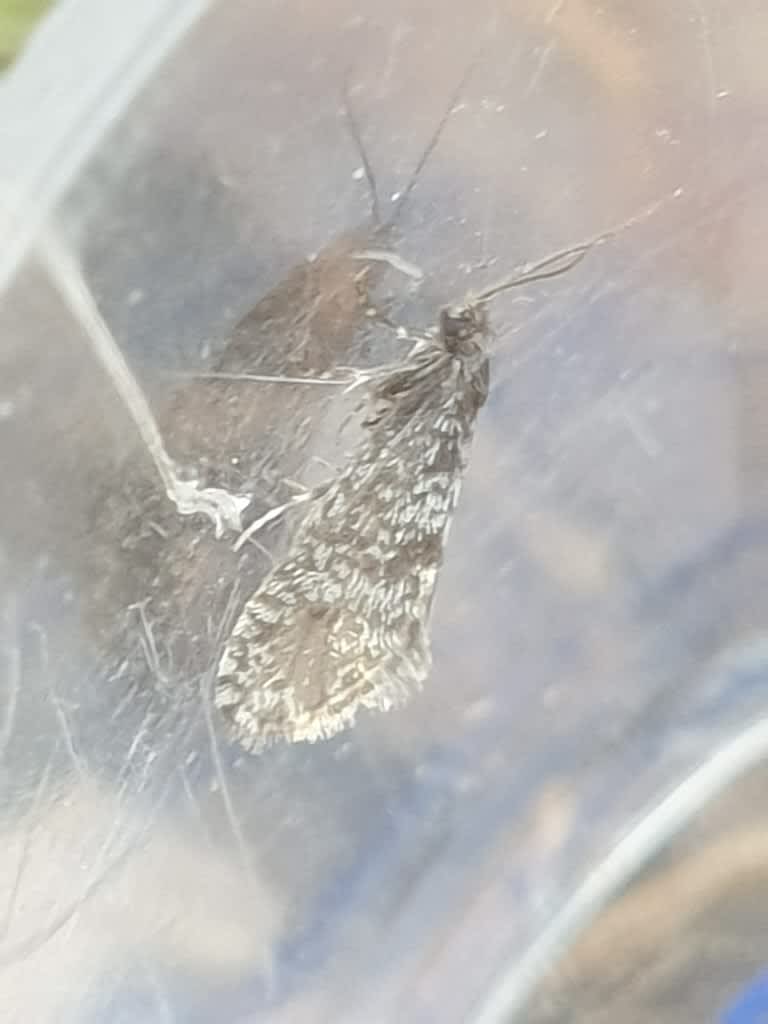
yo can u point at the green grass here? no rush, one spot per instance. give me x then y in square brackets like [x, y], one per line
[17, 19]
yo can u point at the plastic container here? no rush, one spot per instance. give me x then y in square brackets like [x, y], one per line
[185, 195]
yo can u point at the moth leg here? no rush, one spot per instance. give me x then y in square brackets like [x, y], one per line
[393, 259]
[306, 494]
[271, 516]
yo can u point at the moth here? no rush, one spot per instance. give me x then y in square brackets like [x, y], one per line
[341, 623]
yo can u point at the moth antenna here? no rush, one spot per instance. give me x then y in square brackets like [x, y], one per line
[357, 138]
[552, 266]
[370, 177]
[431, 145]
[566, 259]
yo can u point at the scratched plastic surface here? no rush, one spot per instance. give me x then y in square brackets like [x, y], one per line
[598, 633]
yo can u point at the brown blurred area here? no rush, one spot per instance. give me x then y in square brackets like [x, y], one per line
[682, 940]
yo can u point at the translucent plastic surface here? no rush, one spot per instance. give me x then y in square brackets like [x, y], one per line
[598, 630]
[687, 940]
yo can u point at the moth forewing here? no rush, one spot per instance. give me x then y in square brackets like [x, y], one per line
[341, 622]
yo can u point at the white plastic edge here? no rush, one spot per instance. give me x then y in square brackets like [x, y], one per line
[82, 66]
[730, 762]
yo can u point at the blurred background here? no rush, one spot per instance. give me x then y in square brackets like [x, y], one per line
[184, 195]
[17, 19]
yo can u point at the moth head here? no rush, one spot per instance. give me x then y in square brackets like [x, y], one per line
[461, 328]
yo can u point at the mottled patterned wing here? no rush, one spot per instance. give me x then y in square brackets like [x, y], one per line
[341, 623]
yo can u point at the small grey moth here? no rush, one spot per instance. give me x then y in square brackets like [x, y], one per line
[341, 623]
